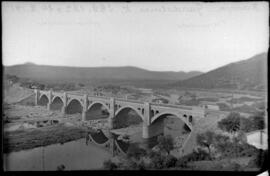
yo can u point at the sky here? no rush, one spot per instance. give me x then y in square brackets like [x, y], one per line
[161, 36]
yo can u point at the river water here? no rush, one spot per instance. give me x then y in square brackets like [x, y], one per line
[74, 155]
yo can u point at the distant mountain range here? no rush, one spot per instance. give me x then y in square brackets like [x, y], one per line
[44, 72]
[250, 74]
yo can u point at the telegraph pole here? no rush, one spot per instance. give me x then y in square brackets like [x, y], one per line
[43, 164]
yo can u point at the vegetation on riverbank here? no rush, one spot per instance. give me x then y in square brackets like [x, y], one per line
[28, 139]
[214, 151]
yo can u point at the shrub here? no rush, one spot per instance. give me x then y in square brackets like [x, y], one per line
[134, 151]
[195, 156]
[170, 161]
[231, 123]
[233, 167]
[259, 160]
[61, 167]
[157, 161]
[222, 143]
[108, 164]
[206, 139]
[182, 163]
[165, 143]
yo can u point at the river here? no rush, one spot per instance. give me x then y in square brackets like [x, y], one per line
[74, 155]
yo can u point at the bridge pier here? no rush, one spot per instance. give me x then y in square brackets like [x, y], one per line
[112, 113]
[50, 100]
[146, 124]
[146, 121]
[84, 109]
[36, 96]
[83, 115]
[145, 132]
[110, 124]
[64, 108]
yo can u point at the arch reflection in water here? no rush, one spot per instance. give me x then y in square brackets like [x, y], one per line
[98, 137]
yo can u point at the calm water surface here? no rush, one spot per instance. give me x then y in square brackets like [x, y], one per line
[75, 155]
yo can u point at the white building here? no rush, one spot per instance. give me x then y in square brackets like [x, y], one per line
[258, 139]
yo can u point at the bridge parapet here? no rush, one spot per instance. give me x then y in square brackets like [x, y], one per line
[129, 103]
[160, 109]
[99, 97]
[95, 98]
[42, 92]
[128, 100]
[72, 96]
[59, 94]
[173, 106]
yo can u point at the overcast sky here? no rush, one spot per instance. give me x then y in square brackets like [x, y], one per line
[155, 36]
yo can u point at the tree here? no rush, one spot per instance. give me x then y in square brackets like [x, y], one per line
[165, 143]
[134, 151]
[246, 124]
[222, 142]
[157, 161]
[170, 161]
[206, 139]
[258, 120]
[230, 124]
[108, 164]
[255, 122]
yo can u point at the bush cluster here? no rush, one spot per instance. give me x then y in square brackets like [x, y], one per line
[198, 155]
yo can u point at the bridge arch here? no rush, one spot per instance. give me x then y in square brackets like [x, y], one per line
[97, 110]
[127, 116]
[98, 102]
[74, 99]
[74, 106]
[57, 103]
[43, 100]
[56, 97]
[129, 107]
[180, 129]
[159, 115]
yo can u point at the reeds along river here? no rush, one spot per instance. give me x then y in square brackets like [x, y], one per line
[75, 155]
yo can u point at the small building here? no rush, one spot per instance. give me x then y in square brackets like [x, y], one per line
[160, 101]
[209, 105]
[258, 139]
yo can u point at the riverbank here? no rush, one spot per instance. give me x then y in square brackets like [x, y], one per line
[31, 138]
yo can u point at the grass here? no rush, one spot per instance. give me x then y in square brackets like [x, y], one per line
[28, 139]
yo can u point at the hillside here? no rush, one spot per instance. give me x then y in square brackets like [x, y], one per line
[250, 74]
[42, 72]
[15, 93]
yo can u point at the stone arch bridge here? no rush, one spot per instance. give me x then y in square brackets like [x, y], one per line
[148, 112]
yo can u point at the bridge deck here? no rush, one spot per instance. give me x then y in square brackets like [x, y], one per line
[173, 106]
